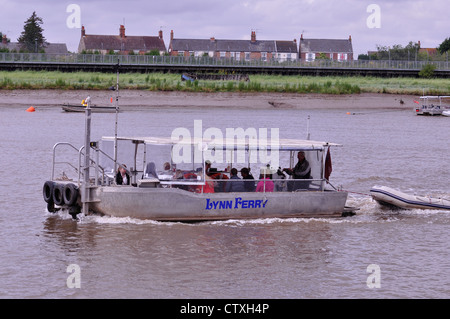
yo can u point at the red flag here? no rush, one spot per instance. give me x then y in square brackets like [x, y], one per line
[416, 102]
[328, 165]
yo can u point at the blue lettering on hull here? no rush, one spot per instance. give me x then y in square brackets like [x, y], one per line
[239, 203]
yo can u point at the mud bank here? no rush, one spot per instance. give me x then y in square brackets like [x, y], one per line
[136, 99]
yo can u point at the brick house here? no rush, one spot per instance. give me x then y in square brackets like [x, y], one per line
[121, 43]
[333, 49]
[239, 50]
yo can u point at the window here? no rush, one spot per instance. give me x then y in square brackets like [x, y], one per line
[263, 56]
[310, 57]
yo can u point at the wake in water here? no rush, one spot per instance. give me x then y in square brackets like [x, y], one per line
[369, 211]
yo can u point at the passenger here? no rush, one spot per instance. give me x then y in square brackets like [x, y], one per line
[150, 171]
[207, 166]
[166, 167]
[208, 187]
[265, 184]
[236, 185]
[249, 183]
[122, 177]
[279, 180]
[302, 170]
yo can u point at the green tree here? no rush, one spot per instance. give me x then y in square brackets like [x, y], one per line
[444, 46]
[32, 38]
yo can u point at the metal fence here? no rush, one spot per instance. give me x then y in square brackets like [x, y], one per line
[72, 58]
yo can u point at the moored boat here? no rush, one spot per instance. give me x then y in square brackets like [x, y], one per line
[432, 105]
[81, 108]
[387, 196]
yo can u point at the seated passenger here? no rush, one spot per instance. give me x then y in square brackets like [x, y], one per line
[208, 187]
[150, 171]
[236, 184]
[249, 181]
[122, 176]
[265, 184]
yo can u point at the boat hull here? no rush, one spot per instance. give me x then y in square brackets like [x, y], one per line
[94, 109]
[172, 204]
[391, 197]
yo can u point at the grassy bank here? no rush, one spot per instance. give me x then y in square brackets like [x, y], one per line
[258, 83]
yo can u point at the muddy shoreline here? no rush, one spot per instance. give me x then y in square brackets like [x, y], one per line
[138, 98]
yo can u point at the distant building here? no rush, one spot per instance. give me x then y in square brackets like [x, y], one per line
[121, 43]
[52, 48]
[428, 51]
[239, 50]
[333, 49]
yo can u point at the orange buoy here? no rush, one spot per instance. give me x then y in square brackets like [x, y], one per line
[31, 109]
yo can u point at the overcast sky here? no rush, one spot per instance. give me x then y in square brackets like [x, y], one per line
[390, 23]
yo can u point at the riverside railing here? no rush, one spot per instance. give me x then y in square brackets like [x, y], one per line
[73, 58]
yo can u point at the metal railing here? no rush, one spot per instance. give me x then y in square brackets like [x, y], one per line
[73, 58]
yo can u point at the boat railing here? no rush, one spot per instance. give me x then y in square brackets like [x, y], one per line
[220, 185]
[77, 168]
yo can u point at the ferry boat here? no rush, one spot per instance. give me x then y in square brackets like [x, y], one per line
[432, 105]
[190, 190]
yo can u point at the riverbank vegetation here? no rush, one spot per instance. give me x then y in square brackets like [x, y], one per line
[258, 83]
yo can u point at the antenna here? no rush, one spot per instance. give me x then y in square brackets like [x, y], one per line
[308, 135]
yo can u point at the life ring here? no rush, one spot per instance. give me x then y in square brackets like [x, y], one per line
[48, 191]
[70, 194]
[58, 194]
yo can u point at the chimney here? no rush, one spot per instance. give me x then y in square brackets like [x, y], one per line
[301, 37]
[122, 31]
[83, 31]
[160, 34]
[350, 38]
[418, 44]
[171, 35]
[4, 39]
[253, 38]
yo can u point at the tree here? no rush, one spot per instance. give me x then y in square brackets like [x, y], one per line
[444, 46]
[31, 38]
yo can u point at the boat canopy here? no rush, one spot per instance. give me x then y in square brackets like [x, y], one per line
[246, 144]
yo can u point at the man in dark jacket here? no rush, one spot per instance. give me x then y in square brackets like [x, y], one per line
[302, 170]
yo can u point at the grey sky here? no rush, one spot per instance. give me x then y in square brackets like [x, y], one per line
[401, 21]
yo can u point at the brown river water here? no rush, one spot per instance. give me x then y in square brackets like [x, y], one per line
[378, 253]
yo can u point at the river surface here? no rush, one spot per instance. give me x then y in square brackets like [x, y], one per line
[378, 253]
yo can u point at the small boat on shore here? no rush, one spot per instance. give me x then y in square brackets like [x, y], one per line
[433, 105]
[94, 108]
[390, 197]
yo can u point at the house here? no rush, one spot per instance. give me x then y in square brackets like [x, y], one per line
[333, 49]
[52, 48]
[239, 50]
[428, 51]
[121, 43]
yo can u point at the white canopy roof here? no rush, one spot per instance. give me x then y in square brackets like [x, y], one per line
[283, 144]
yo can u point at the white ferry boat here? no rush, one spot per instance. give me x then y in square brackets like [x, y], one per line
[432, 105]
[191, 190]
